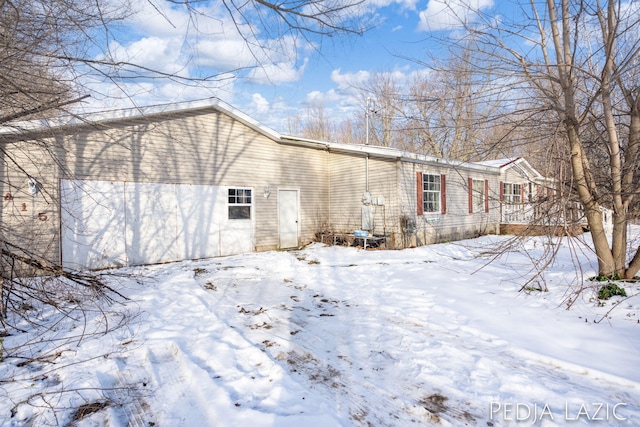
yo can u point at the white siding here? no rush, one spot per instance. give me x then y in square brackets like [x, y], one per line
[457, 223]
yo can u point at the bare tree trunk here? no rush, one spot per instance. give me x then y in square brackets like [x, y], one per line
[619, 238]
[629, 188]
[579, 161]
[606, 264]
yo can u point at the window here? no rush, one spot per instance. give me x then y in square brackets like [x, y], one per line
[431, 193]
[239, 203]
[512, 193]
[477, 189]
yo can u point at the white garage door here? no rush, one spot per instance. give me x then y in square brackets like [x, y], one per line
[110, 224]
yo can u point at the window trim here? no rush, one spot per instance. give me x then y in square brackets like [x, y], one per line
[243, 200]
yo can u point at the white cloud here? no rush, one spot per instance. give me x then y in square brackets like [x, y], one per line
[324, 98]
[161, 54]
[226, 54]
[274, 113]
[259, 103]
[161, 18]
[130, 93]
[404, 4]
[275, 73]
[450, 14]
[349, 81]
[163, 37]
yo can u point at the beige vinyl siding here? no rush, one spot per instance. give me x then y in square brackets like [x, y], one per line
[347, 174]
[457, 223]
[296, 168]
[30, 221]
[193, 148]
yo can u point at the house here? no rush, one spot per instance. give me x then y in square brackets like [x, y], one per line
[521, 187]
[413, 199]
[531, 203]
[201, 179]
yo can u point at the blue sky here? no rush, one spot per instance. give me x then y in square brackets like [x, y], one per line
[291, 75]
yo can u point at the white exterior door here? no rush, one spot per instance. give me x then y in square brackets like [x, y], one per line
[288, 218]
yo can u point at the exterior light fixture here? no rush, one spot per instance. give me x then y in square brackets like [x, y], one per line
[33, 186]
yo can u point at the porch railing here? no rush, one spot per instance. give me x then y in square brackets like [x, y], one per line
[545, 213]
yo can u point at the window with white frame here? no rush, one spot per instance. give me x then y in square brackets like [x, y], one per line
[431, 193]
[239, 203]
[478, 195]
[512, 193]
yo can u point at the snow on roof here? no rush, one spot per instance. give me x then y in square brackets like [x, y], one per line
[499, 163]
[521, 164]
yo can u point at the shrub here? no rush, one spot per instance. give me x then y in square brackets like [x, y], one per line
[610, 290]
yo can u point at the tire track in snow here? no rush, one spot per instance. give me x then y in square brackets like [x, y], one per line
[359, 391]
[441, 379]
[379, 364]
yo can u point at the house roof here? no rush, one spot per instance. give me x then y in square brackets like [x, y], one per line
[390, 153]
[521, 165]
[103, 117]
[22, 128]
[499, 163]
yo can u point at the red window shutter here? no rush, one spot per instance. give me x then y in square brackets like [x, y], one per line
[501, 191]
[443, 194]
[419, 201]
[486, 195]
[470, 195]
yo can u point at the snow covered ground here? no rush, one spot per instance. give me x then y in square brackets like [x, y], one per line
[336, 336]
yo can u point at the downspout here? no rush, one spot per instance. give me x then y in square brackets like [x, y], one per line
[330, 222]
[366, 183]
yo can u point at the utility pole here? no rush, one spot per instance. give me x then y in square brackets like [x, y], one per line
[366, 120]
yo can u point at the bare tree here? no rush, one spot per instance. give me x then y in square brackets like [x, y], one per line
[316, 123]
[446, 109]
[577, 63]
[384, 106]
